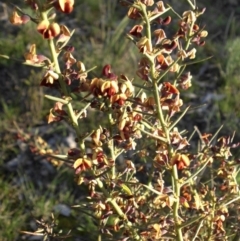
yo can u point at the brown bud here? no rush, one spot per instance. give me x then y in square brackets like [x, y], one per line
[64, 6]
[18, 20]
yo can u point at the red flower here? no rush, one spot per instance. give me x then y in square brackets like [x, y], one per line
[136, 31]
[48, 30]
[82, 164]
[181, 160]
[106, 72]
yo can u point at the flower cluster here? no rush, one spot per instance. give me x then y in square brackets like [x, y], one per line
[46, 26]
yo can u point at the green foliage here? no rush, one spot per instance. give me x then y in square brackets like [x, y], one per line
[12, 215]
[229, 106]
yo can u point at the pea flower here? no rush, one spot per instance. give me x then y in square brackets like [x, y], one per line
[48, 30]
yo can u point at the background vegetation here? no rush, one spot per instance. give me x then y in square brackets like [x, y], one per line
[31, 187]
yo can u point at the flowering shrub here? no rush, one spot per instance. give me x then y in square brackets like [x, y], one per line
[174, 200]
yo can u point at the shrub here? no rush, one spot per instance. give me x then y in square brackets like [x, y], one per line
[144, 179]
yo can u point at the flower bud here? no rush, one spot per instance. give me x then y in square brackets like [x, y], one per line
[18, 20]
[148, 2]
[64, 6]
[181, 160]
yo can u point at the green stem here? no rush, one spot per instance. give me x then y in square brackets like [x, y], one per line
[178, 119]
[191, 4]
[186, 63]
[193, 220]
[196, 174]
[111, 146]
[162, 139]
[118, 210]
[160, 117]
[111, 143]
[231, 201]
[148, 26]
[159, 14]
[179, 74]
[73, 118]
[189, 38]
[177, 188]
[81, 112]
[56, 99]
[54, 55]
[24, 62]
[63, 85]
[141, 87]
[198, 229]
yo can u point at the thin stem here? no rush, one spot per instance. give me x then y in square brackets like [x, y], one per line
[231, 201]
[191, 4]
[179, 74]
[178, 119]
[84, 109]
[56, 99]
[191, 221]
[54, 55]
[148, 26]
[196, 174]
[141, 86]
[198, 229]
[189, 38]
[118, 210]
[176, 204]
[52, 48]
[147, 124]
[215, 135]
[153, 136]
[152, 72]
[63, 85]
[174, 12]
[111, 142]
[160, 117]
[186, 63]
[24, 62]
[143, 113]
[159, 14]
[111, 146]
